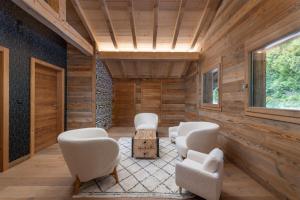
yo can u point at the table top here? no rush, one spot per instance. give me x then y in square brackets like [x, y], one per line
[145, 134]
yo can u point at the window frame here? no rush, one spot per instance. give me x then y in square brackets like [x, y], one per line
[209, 106]
[255, 43]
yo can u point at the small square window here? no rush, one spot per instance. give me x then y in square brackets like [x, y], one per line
[211, 88]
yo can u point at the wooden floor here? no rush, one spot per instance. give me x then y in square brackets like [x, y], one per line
[45, 177]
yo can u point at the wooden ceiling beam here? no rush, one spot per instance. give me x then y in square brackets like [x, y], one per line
[186, 68]
[107, 67]
[126, 55]
[178, 22]
[170, 69]
[108, 21]
[123, 68]
[132, 22]
[208, 14]
[44, 13]
[83, 18]
[155, 22]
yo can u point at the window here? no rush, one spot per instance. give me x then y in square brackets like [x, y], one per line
[274, 78]
[211, 88]
[275, 81]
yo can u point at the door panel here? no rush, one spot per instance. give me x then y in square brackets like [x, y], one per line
[123, 103]
[1, 110]
[47, 110]
[4, 108]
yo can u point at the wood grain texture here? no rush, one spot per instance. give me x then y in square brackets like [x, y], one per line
[138, 69]
[47, 104]
[78, 20]
[123, 103]
[192, 92]
[145, 144]
[4, 108]
[80, 90]
[266, 149]
[141, 25]
[164, 97]
[49, 17]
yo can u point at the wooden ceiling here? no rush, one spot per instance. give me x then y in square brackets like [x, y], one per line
[158, 38]
[147, 69]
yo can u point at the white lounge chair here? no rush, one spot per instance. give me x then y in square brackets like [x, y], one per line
[197, 136]
[201, 174]
[146, 121]
[89, 154]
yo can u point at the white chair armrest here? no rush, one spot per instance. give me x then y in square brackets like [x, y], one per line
[173, 129]
[196, 156]
[189, 175]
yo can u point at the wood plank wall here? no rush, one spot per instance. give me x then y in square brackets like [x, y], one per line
[192, 92]
[268, 150]
[162, 96]
[81, 85]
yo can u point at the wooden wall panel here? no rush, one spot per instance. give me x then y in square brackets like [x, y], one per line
[192, 93]
[268, 150]
[151, 96]
[162, 96]
[81, 92]
[172, 102]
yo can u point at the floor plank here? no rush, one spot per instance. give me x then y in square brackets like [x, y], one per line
[46, 176]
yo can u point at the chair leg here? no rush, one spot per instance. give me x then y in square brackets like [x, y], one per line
[180, 190]
[77, 184]
[115, 174]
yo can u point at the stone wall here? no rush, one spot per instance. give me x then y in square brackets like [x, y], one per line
[103, 96]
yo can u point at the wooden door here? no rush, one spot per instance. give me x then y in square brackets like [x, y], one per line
[47, 104]
[1, 109]
[4, 109]
[123, 103]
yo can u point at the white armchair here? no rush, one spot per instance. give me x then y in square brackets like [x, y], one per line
[89, 154]
[173, 132]
[146, 121]
[201, 174]
[197, 136]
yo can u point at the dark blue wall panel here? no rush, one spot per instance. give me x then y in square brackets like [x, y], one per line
[25, 38]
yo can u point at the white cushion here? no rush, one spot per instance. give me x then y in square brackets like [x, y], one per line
[192, 164]
[145, 126]
[211, 162]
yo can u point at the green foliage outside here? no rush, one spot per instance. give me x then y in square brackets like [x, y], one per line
[283, 75]
[216, 95]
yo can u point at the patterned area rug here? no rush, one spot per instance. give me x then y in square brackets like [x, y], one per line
[138, 177]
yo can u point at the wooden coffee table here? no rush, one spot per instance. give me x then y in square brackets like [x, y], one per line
[145, 144]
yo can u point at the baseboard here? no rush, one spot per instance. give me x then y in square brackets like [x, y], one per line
[18, 161]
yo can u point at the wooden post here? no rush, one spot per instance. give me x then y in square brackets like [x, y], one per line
[76, 185]
[259, 80]
[115, 174]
